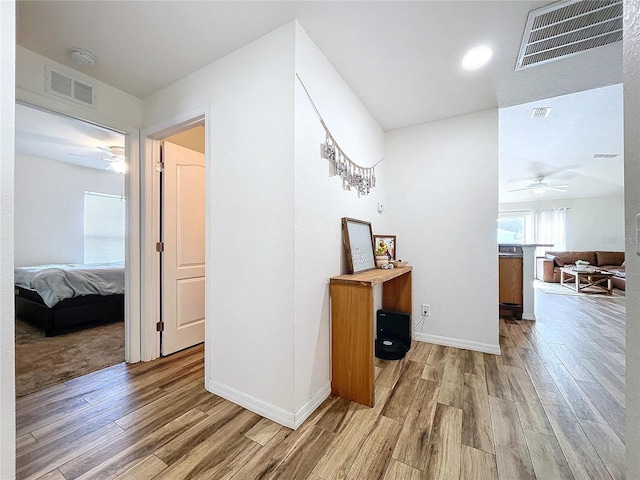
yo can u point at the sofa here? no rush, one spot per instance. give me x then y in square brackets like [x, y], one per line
[548, 267]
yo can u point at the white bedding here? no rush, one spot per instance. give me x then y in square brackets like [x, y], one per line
[58, 282]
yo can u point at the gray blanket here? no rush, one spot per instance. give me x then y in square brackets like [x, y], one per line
[55, 283]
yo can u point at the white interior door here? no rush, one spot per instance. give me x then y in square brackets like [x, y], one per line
[183, 226]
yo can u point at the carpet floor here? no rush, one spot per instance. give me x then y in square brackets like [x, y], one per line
[44, 361]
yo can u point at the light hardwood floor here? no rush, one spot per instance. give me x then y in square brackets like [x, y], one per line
[551, 407]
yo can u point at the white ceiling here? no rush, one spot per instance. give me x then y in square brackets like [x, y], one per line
[561, 147]
[56, 137]
[402, 59]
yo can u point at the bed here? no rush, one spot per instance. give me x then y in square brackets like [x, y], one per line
[59, 297]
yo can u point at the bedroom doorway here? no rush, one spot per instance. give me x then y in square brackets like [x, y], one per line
[70, 212]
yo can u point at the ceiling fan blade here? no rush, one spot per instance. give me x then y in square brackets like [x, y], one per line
[521, 189]
[94, 157]
[86, 155]
[107, 151]
[558, 188]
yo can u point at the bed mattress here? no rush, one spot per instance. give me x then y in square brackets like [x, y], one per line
[58, 282]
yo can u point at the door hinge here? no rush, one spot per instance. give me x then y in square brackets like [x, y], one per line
[160, 247]
[160, 166]
[160, 327]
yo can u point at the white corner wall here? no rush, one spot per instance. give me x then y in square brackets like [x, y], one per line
[249, 346]
[593, 223]
[631, 49]
[320, 204]
[443, 199]
[49, 208]
[7, 135]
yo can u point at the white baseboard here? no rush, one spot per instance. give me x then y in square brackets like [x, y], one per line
[528, 316]
[288, 419]
[458, 343]
[310, 407]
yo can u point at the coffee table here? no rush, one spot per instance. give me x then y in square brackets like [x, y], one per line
[590, 280]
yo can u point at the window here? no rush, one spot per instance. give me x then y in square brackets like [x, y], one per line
[104, 221]
[544, 226]
[515, 227]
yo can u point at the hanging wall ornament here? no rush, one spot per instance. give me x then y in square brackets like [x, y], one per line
[362, 179]
[329, 149]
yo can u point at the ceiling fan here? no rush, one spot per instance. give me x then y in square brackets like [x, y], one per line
[114, 155]
[109, 154]
[539, 186]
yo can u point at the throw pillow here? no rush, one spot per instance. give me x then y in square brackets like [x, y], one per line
[556, 260]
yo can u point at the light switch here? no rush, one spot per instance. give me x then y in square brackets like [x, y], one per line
[380, 207]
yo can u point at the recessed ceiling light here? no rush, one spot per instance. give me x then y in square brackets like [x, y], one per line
[477, 57]
[82, 57]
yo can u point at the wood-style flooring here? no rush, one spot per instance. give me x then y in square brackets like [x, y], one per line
[551, 407]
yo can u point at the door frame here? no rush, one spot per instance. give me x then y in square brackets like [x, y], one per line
[150, 139]
[132, 319]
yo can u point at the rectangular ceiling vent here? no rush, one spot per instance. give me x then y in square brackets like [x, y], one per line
[540, 112]
[73, 89]
[567, 28]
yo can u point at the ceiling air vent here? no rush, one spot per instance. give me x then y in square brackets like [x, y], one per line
[569, 27]
[65, 86]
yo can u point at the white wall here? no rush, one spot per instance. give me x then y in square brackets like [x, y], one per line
[593, 223]
[250, 171]
[320, 203]
[49, 208]
[443, 201]
[7, 135]
[631, 50]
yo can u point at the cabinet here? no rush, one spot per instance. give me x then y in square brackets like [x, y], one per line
[352, 327]
[510, 283]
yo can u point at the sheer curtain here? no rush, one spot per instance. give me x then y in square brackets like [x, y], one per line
[549, 227]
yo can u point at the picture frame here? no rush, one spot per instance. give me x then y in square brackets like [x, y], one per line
[390, 241]
[358, 242]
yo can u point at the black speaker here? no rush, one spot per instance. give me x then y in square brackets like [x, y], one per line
[393, 334]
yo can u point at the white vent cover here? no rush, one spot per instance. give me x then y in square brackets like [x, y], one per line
[540, 112]
[605, 155]
[73, 89]
[569, 27]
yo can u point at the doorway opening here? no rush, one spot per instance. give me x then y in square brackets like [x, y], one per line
[70, 231]
[174, 206]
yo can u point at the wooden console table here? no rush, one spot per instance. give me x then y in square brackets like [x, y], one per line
[352, 327]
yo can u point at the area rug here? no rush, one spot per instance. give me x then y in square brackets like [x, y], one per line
[44, 361]
[557, 289]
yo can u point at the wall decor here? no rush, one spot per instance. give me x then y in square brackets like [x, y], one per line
[385, 244]
[354, 176]
[358, 242]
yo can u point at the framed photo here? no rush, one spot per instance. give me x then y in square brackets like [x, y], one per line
[386, 243]
[358, 242]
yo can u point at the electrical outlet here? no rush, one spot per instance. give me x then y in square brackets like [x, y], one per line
[426, 310]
